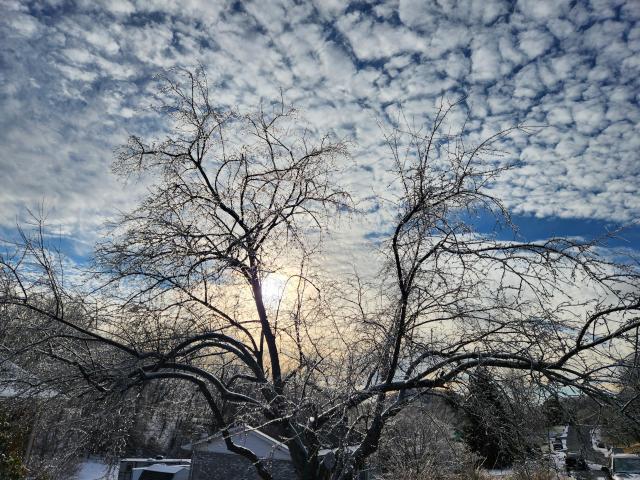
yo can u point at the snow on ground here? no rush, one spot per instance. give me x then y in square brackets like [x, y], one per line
[596, 438]
[563, 436]
[95, 469]
[499, 472]
[558, 460]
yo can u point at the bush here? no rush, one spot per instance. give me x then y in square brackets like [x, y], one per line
[11, 441]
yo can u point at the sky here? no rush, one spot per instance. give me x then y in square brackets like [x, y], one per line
[76, 78]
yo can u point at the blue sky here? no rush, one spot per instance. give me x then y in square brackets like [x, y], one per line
[75, 78]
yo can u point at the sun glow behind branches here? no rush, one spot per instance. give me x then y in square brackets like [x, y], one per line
[273, 288]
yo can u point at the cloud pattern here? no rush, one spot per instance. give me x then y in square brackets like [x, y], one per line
[75, 78]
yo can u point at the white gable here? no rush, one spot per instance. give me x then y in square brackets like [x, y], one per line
[177, 472]
[259, 443]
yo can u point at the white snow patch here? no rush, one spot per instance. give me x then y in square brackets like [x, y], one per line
[500, 472]
[95, 469]
[596, 437]
[558, 460]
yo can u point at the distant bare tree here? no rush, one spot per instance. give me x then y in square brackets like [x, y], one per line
[236, 199]
[419, 444]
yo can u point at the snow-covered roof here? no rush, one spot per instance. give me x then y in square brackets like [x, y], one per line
[625, 455]
[263, 445]
[159, 460]
[159, 467]
[160, 471]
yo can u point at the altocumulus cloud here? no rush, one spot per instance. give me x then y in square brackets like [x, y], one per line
[76, 78]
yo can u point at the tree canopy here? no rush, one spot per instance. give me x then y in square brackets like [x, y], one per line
[179, 286]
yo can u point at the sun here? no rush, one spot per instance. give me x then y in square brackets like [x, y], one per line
[273, 286]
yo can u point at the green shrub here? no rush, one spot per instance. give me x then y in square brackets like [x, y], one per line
[11, 467]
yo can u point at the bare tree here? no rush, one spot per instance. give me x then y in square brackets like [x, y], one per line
[237, 199]
[61, 417]
[419, 443]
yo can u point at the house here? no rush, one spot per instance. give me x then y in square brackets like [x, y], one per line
[210, 459]
[159, 471]
[129, 467]
[210, 456]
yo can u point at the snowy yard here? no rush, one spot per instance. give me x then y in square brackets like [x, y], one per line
[95, 469]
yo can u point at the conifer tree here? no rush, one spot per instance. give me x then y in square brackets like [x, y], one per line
[487, 421]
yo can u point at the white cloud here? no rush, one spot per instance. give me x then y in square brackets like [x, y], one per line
[534, 42]
[589, 116]
[527, 82]
[543, 10]
[76, 79]
[485, 59]
[370, 39]
[118, 7]
[423, 15]
[559, 116]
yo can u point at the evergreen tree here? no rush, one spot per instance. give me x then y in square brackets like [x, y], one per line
[554, 411]
[486, 430]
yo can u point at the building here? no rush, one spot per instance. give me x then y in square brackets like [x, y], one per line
[132, 468]
[161, 472]
[210, 459]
